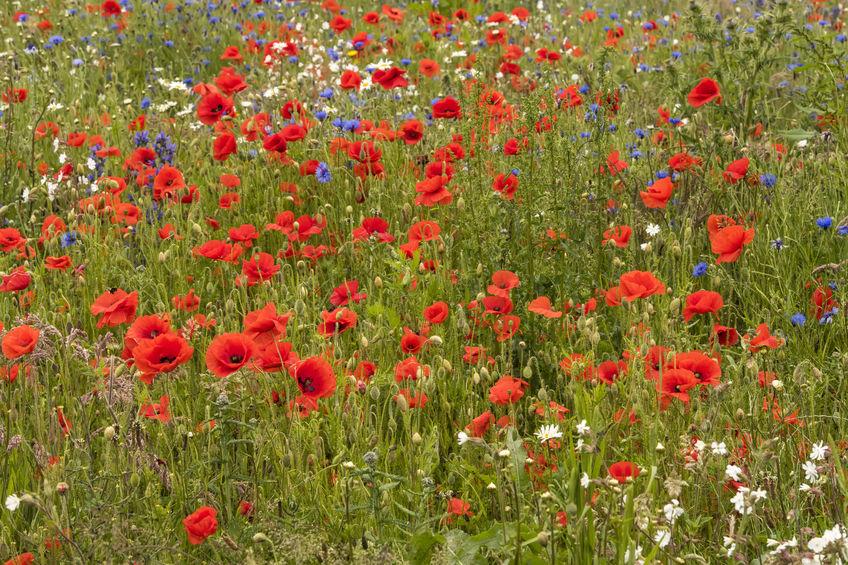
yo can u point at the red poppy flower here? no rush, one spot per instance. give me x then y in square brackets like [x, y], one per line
[447, 108]
[436, 313]
[683, 161]
[542, 306]
[145, 328]
[350, 80]
[265, 325]
[728, 242]
[433, 191]
[19, 279]
[458, 507]
[618, 236]
[224, 146]
[336, 322]
[115, 307]
[390, 78]
[373, 228]
[213, 107]
[228, 353]
[736, 171]
[346, 293]
[675, 383]
[702, 302]
[507, 390]
[658, 193]
[763, 340]
[274, 356]
[725, 336]
[162, 354]
[623, 471]
[19, 341]
[480, 424]
[411, 131]
[704, 92]
[260, 268]
[157, 411]
[410, 369]
[609, 371]
[200, 524]
[315, 377]
[639, 284]
[58, 263]
[706, 369]
[411, 342]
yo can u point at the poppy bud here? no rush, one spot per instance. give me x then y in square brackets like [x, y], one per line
[135, 480]
[446, 365]
[230, 305]
[375, 393]
[378, 282]
[460, 204]
[674, 306]
[301, 265]
[479, 268]
[260, 537]
[484, 373]
[109, 433]
[617, 262]
[543, 538]
[363, 341]
[475, 378]
[349, 210]
[527, 373]
[595, 339]
[196, 228]
[402, 404]
[163, 256]
[304, 292]
[676, 250]
[416, 438]
[543, 392]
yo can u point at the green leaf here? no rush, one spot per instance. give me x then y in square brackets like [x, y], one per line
[796, 134]
[422, 545]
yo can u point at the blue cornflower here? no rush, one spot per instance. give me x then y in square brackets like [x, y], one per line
[68, 238]
[842, 230]
[699, 270]
[322, 173]
[824, 222]
[827, 317]
[798, 319]
[768, 180]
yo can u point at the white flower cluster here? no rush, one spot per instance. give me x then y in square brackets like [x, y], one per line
[810, 468]
[745, 499]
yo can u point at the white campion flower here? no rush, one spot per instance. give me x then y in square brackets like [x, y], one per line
[584, 480]
[672, 511]
[819, 451]
[745, 499]
[548, 432]
[12, 502]
[781, 546]
[583, 428]
[733, 472]
[662, 538]
[811, 472]
[652, 229]
[831, 541]
[461, 438]
[718, 448]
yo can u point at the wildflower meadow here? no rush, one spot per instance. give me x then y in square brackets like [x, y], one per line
[435, 281]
